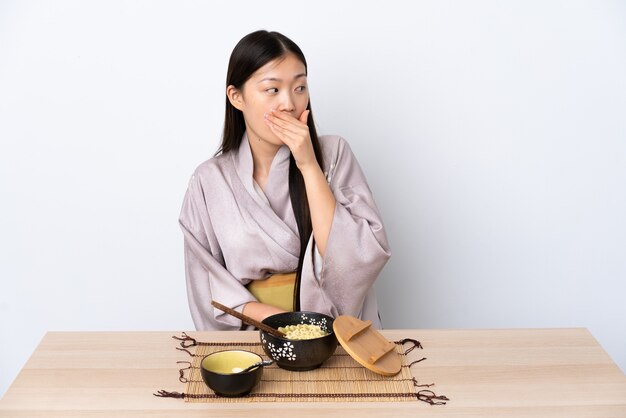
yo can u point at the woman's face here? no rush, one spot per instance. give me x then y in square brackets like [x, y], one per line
[280, 84]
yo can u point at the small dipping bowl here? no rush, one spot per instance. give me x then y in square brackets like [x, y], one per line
[217, 372]
[299, 355]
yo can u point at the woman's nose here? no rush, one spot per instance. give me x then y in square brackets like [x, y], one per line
[286, 103]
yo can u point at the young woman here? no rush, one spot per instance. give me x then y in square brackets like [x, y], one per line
[279, 219]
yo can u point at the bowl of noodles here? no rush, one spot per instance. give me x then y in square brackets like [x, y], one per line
[309, 340]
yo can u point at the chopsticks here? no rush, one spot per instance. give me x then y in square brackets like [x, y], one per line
[248, 320]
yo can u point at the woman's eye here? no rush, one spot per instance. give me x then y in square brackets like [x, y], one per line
[272, 90]
[300, 88]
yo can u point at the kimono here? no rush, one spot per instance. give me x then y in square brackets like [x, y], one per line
[234, 232]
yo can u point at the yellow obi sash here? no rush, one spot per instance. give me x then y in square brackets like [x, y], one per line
[277, 290]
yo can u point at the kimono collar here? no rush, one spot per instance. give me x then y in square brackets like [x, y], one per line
[279, 170]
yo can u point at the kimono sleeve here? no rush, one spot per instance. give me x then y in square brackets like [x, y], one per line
[357, 247]
[207, 278]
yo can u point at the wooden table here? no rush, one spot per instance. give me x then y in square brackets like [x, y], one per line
[485, 373]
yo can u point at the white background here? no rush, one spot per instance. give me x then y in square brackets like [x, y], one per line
[492, 133]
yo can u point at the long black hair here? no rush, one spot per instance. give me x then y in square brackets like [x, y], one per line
[251, 53]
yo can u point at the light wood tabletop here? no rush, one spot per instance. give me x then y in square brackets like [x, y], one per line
[485, 373]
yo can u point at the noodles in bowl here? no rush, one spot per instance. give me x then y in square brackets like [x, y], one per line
[302, 331]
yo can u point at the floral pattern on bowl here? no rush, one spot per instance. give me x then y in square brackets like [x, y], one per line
[286, 351]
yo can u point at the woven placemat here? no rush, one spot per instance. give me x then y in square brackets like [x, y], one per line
[340, 378]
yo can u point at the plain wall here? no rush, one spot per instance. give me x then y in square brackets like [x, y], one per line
[492, 133]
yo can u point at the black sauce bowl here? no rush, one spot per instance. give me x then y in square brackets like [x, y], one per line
[299, 355]
[216, 370]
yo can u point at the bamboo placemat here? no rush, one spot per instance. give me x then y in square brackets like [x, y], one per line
[340, 378]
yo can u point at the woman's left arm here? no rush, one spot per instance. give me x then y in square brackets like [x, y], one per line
[347, 226]
[357, 247]
[295, 134]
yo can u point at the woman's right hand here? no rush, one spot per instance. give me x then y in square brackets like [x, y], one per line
[260, 311]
